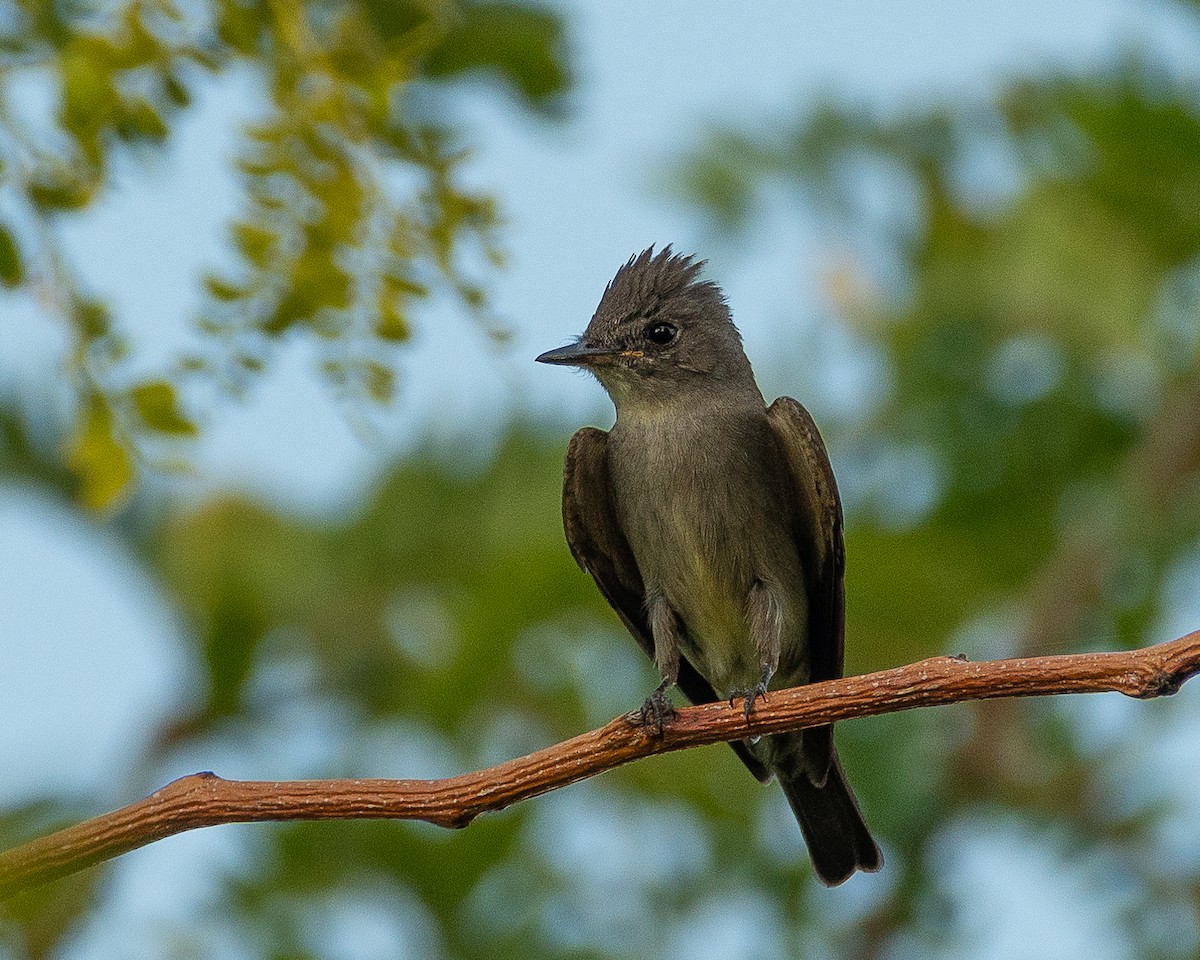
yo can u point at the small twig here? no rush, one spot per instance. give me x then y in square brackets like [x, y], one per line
[205, 800]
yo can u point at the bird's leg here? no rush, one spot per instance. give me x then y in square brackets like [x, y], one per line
[657, 709]
[765, 614]
[664, 629]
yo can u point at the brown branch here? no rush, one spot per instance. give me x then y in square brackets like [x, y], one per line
[204, 799]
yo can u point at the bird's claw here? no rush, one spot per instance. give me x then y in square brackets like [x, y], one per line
[657, 710]
[754, 693]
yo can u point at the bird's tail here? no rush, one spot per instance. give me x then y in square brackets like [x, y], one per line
[833, 826]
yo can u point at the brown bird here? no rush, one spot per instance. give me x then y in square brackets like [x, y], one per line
[712, 525]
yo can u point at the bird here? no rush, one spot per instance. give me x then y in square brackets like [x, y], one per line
[712, 525]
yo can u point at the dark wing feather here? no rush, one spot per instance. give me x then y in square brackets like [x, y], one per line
[817, 528]
[594, 534]
[599, 547]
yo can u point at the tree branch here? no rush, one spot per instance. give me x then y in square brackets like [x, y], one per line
[205, 800]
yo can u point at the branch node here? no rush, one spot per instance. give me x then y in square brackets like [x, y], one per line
[1160, 683]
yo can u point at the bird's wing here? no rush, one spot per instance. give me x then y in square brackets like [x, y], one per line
[817, 530]
[599, 546]
[817, 527]
[594, 534]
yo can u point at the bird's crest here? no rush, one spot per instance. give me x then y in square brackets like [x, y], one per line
[648, 279]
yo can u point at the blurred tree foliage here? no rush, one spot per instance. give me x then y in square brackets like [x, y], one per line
[1025, 478]
[354, 207]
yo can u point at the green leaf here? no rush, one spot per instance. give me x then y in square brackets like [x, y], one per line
[88, 95]
[59, 190]
[176, 90]
[519, 45]
[257, 244]
[391, 324]
[239, 26]
[396, 19]
[92, 318]
[12, 271]
[318, 283]
[139, 120]
[158, 406]
[222, 290]
[380, 381]
[99, 459]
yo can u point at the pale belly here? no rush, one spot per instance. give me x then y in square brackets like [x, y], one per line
[703, 529]
[710, 594]
[702, 548]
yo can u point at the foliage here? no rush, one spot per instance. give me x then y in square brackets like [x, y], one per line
[354, 207]
[1024, 479]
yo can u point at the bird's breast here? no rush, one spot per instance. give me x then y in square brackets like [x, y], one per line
[704, 515]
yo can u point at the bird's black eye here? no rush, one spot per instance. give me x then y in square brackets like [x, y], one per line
[660, 333]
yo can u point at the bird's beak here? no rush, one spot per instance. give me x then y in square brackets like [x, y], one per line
[577, 355]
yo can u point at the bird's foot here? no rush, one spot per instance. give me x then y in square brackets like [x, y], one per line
[657, 709]
[752, 694]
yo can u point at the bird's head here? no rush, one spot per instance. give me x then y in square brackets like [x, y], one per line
[659, 334]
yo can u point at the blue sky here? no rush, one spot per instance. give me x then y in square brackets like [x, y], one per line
[80, 625]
